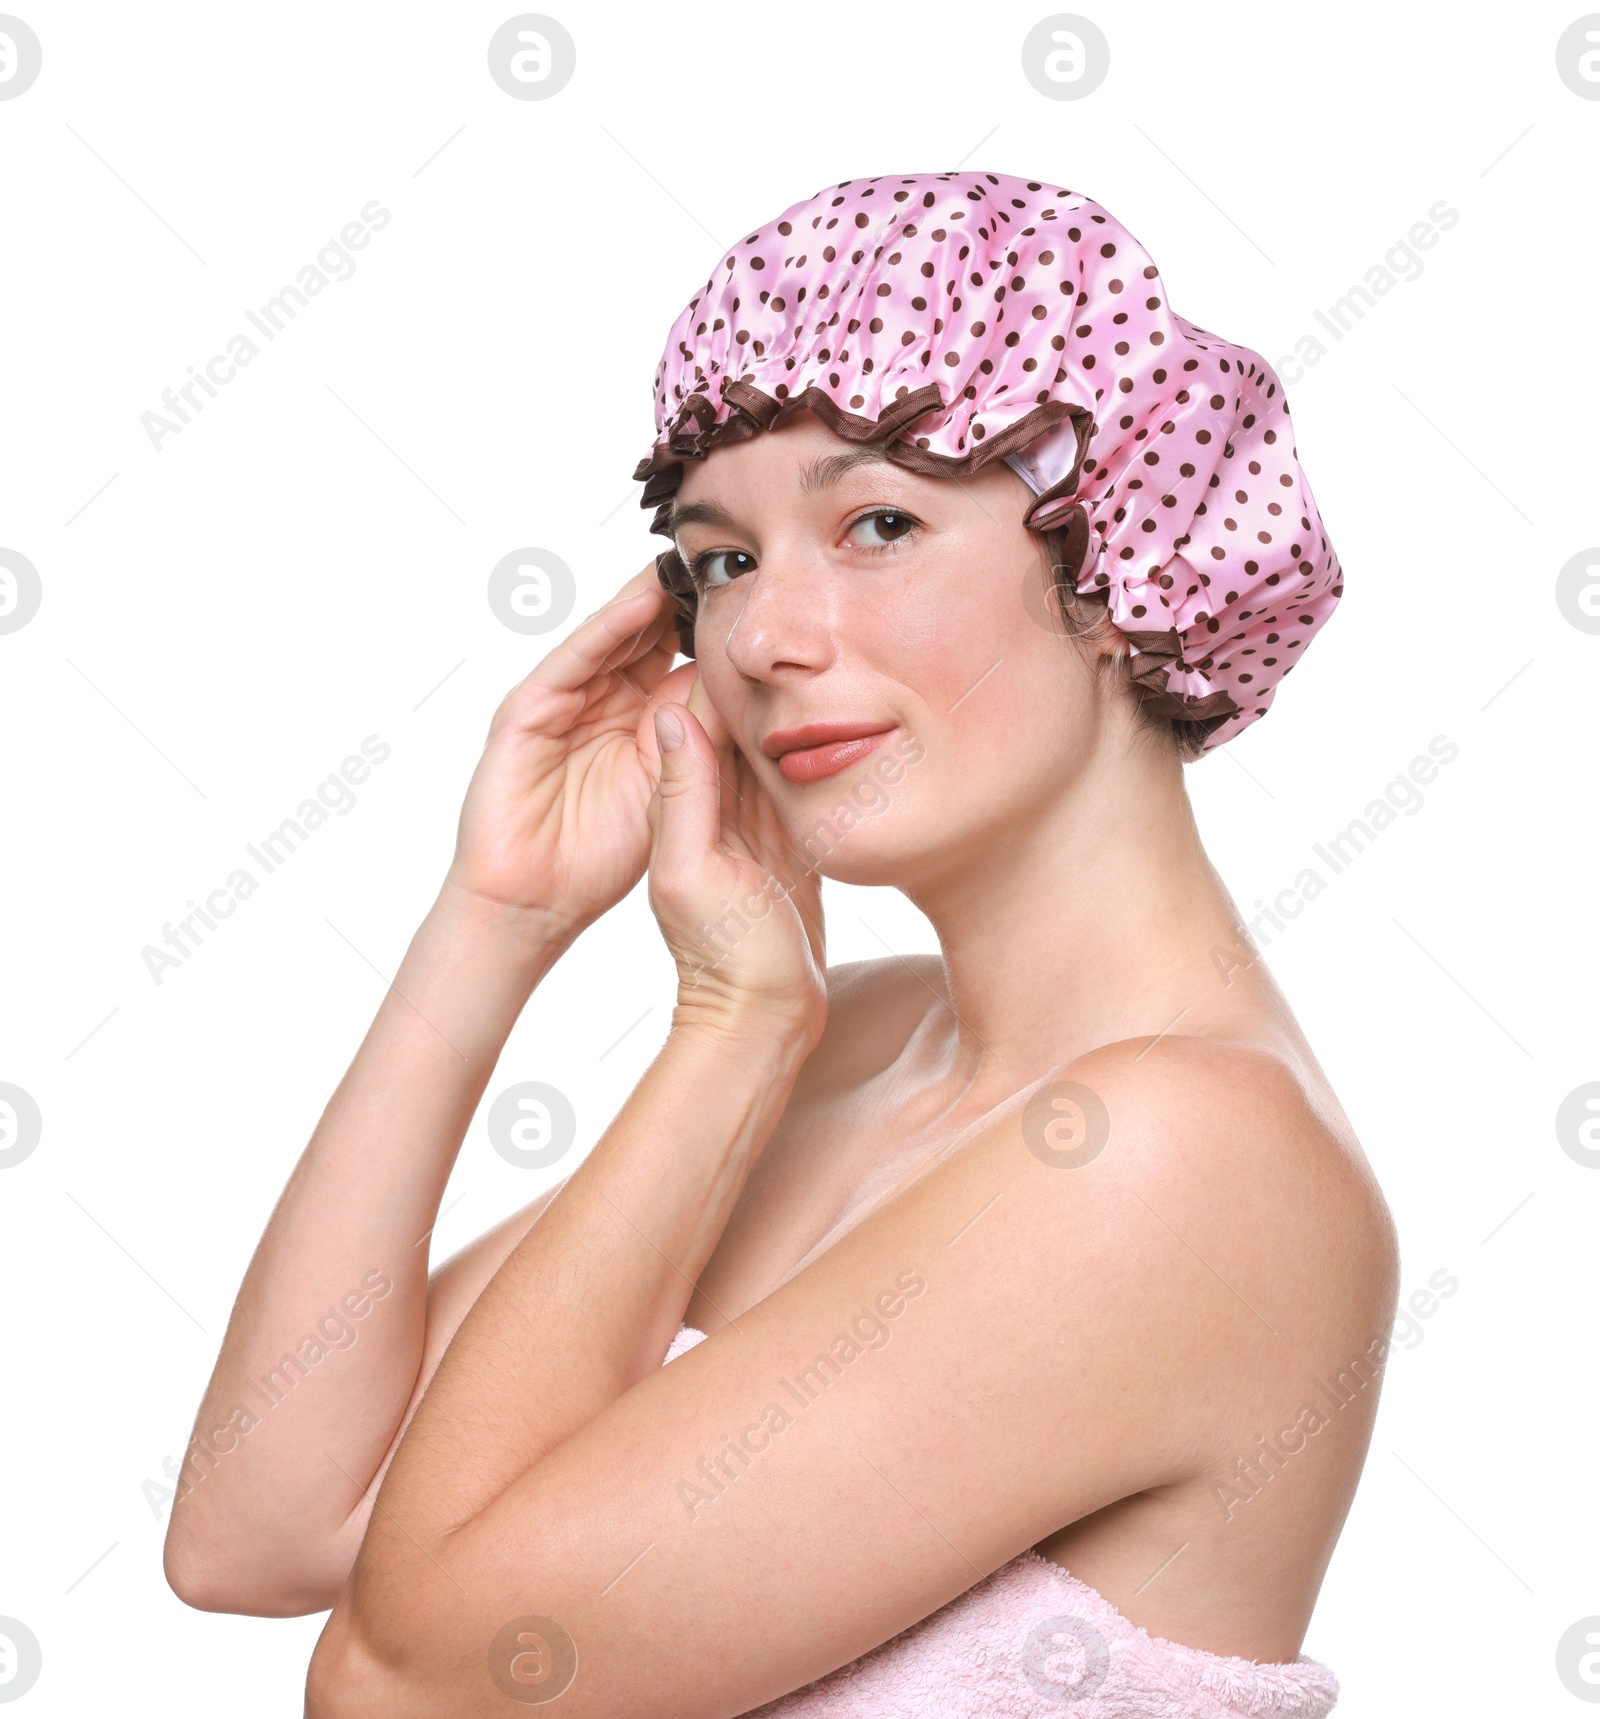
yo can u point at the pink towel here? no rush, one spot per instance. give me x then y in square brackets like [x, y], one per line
[1031, 1641]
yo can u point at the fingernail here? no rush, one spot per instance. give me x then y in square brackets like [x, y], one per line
[669, 731]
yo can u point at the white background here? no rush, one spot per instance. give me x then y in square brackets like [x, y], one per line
[306, 564]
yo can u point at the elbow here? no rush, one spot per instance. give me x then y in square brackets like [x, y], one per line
[209, 1582]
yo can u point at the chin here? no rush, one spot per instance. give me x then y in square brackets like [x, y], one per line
[853, 835]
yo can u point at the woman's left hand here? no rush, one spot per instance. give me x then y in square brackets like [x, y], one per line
[740, 909]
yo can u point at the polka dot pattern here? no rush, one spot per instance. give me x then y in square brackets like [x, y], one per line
[961, 318]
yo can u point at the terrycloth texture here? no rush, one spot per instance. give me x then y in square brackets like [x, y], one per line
[961, 318]
[1033, 1642]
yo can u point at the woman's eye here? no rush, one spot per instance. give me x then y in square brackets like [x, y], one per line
[703, 564]
[888, 526]
[889, 519]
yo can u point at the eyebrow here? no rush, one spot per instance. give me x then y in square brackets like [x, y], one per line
[819, 474]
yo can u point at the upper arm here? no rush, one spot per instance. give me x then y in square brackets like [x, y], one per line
[1019, 1338]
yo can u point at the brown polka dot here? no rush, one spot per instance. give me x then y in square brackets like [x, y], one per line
[996, 234]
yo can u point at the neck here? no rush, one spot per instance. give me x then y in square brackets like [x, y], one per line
[1095, 920]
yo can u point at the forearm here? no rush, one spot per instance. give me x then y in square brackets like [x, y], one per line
[590, 1299]
[305, 1385]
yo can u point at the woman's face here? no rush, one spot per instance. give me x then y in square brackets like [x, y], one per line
[836, 588]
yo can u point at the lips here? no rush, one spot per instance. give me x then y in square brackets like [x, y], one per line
[819, 749]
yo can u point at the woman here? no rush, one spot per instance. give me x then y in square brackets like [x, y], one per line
[1025, 1305]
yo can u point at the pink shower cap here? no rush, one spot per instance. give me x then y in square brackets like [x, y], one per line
[961, 318]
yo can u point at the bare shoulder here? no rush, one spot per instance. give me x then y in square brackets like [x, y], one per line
[1166, 1229]
[1236, 1116]
[1249, 1163]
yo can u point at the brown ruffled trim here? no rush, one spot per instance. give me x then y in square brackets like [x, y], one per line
[1160, 651]
[1064, 486]
[661, 472]
[676, 578]
[1075, 523]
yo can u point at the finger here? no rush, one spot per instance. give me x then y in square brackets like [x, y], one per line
[706, 714]
[640, 581]
[628, 675]
[731, 794]
[643, 658]
[646, 675]
[643, 580]
[616, 631]
[672, 688]
[646, 579]
[744, 805]
[762, 817]
[686, 818]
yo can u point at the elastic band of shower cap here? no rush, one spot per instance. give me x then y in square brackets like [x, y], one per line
[961, 318]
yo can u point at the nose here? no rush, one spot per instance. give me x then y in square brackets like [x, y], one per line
[779, 617]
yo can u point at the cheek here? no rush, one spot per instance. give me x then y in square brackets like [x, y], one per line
[1014, 730]
[723, 684]
[941, 636]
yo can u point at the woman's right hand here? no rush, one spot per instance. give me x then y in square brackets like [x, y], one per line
[555, 825]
